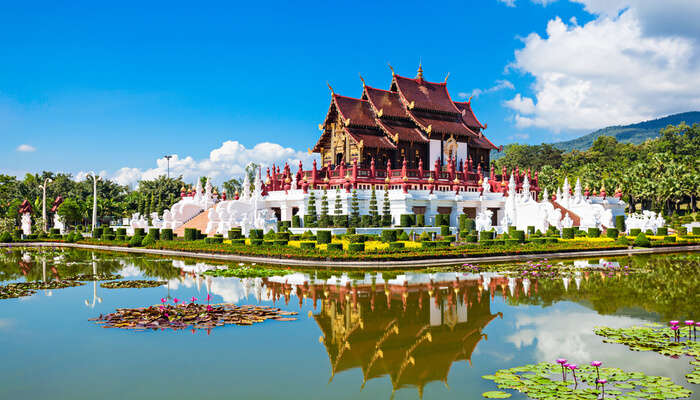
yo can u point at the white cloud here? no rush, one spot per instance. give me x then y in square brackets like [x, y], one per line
[622, 67]
[509, 3]
[25, 148]
[223, 163]
[500, 85]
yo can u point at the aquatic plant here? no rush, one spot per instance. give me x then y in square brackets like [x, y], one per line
[248, 272]
[562, 361]
[135, 284]
[196, 316]
[538, 381]
[22, 289]
[597, 365]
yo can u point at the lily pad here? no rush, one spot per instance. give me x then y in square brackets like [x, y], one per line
[496, 395]
[135, 284]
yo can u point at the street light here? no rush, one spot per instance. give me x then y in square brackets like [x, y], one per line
[95, 178]
[168, 158]
[43, 203]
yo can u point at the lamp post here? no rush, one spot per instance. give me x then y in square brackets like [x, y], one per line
[43, 203]
[168, 157]
[95, 178]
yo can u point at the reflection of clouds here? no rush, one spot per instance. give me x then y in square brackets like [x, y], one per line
[185, 282]
[6, 324]
[235, 290]
[129, 271]
[570, 335]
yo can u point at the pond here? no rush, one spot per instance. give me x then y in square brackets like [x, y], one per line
[358, 335]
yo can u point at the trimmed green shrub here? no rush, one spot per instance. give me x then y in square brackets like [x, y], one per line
[166, 234]
[467, 224]
[388, 235]
[567, 233]
[428, 244]
[443, 243]
[593, 232]
[352, 231]
[424, 236]
[280, 242]
[148, 240]
[323, 236]
[539, 240]
[340, 221]
[307, 245]
[308, 236]
[530, 230]
[121, 231]
[256, 234]
[310, 221]
[669, 239]
[552, 240]
[190, 234]
[622, 240]
[155, 233]
[397, 245]
[238, 241]
[485, 235]
[282, 236]
[486, 242]
[408, 220]
[142, 232]
[642, 240]
[270, 235]
[256, 242]
[512, 242]
[235, 233]
[136, 241]
[696, 230]
[356, 247]
[403, 236]
[337, 246]
[444, 230]
[120, 238]
[499, 242]
[662, 231]
[420, 219]
[213, 240]
[108, 236]
[356, 238]
[470, 238]
[296, 221]
[635, 232]
[649, 232]
[682, 230]
[518, 235]
[442, 219]
[620, 223]
[612, 233]
[449, 238]
[366, 221]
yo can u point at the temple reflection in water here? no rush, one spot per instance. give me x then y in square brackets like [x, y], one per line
[410, 327]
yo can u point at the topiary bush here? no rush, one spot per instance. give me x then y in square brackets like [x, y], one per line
[620, 223]
[682, 230]
[108, 236]
[593, 232]
[518, 235]
[407, 220]
[256, 242]
[696, 230]
[340, 221]
[310, 221]
[213, 240]
[282, 236]
[307, 245]
[403, 236]
[238, 241]
[337, 246]
[634, 232]
[669, 239]
[235, 233]
[280, 242]
[444, 230]
[190, 234]
[485, 235]
[530, 230]
[388, 235]
[155, 233]
[642, 240]
[425, 236]
[356, 247]
[552, 240]
[148, 240]
[135, 241]
[397, 245]
[612, 233]
[323, 236]
[470, 238]
[622, 240]
[449, 238]
[296, 221]
[121, 231]
[427, 244]
[567, 233]
[366, 221]
[662, 231]
[142, 232]
[420, 219]
[256, 234]
[442, 219]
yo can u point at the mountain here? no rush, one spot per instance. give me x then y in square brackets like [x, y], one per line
[634, 133]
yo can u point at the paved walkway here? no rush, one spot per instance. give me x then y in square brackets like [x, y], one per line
[380, 264]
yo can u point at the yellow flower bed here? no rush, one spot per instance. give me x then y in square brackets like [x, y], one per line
[369, 245]
[587, 239]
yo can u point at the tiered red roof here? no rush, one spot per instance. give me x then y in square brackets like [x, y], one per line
[411, 111]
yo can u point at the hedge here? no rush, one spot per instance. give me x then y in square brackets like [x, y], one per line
[696, 230]
[567, 233]
[403, 236]
[444, 230]
[443, 243]
[296, 221]
[682, 230]
[552, 239]
[356, 247]
[530, 230]
[442, 219]
[309, 221]
[282, 236]
[669, 239]
[191, 234]
[121, 231]
[428, 244]
[307, 245]
[108, 236]
[388, 235]
[449, 238]
[620, 223]
[420, 219]
[635, 232]
[147, 241]
[280, 242]
[139, 232]
[256, 234]
[642, 240]
[356, 238]
[612, 233]
[538, 240]
[340, 221]
[135, 241]
[662, 231]
[593, 232]
[323, 236]
[121, 238]
[339, 246]
[512, 242]
[235, 233]
[485, 235]
[213, 240]
[470, 238]
[518, 235]
[256, 242]
[238, 241]
[154, 232]
[397, 245]
[408, 220]
[366, 221]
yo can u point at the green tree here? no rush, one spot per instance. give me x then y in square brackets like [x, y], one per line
[386, 209]
[70, 211]
[355, 210]
[373, 208]
[338, 203]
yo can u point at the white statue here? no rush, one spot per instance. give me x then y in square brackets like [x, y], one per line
[486, 186]
[567, 222]
[483, 219]
[246, 188]
[58, 223]
[27, 223]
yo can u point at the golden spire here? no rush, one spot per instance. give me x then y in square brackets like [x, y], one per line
[392, 70]
[363, 80]
[447, 76]
[330, 87]
[420, 70]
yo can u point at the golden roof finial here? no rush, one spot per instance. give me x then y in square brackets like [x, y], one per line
[392, 70]
[420, 70]
[363, 80]
[447, 76]
[330, 87]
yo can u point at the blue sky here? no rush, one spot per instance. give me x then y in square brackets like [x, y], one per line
[112, 87]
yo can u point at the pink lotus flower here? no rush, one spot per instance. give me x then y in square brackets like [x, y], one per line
[602, 383]
[689, 322]
[562, 362]
[175, 300]
[208, 297]
[194, 299]
[596, 364]
[209, 308]
[162, 300]
[673, 323]
[573, 368]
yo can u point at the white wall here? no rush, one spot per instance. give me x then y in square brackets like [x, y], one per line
[461, 152]
[433, 153]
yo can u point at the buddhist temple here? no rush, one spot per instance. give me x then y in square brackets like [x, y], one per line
[415, 120]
